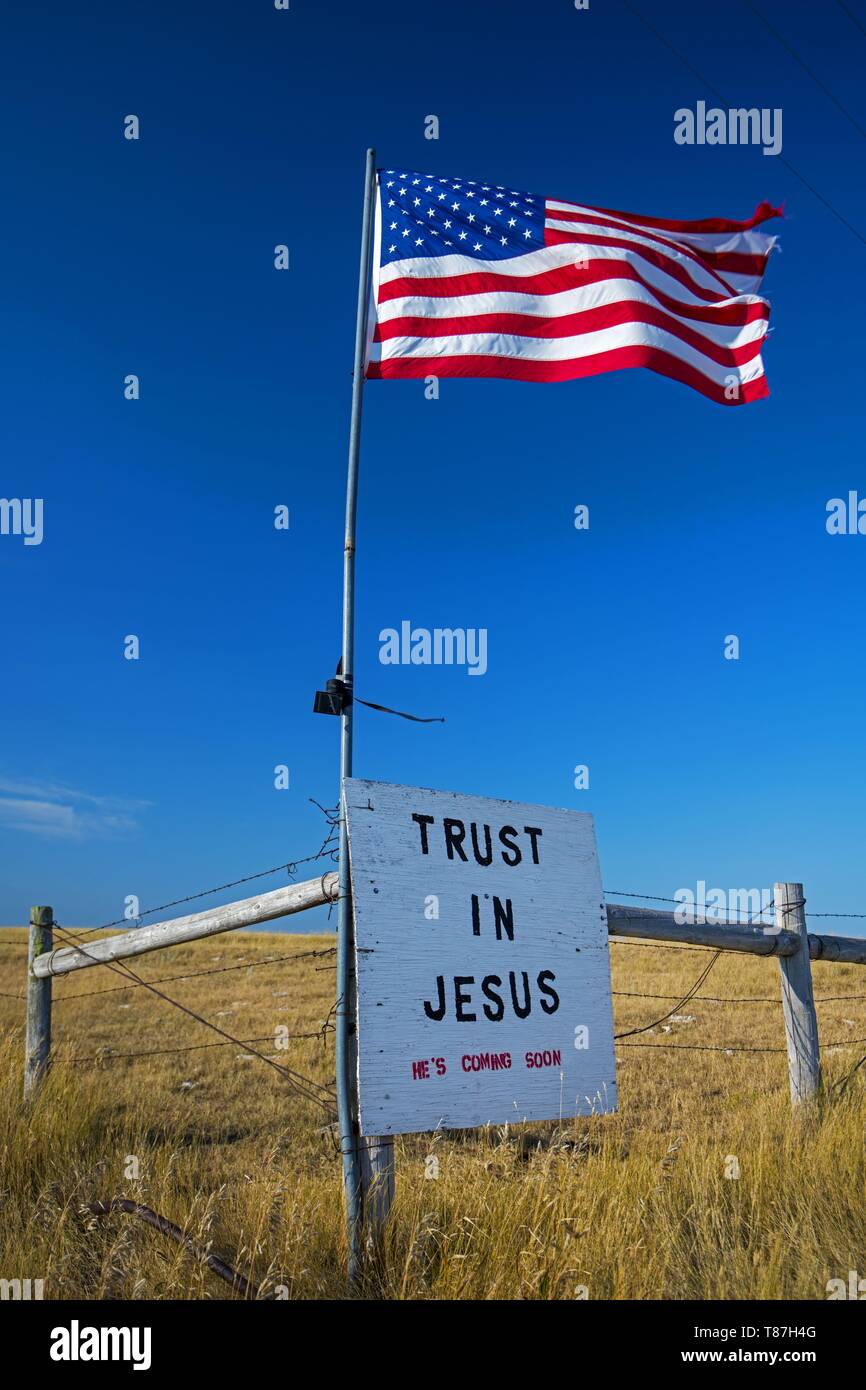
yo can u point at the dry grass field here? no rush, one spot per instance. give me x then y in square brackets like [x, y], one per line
[638, 1205]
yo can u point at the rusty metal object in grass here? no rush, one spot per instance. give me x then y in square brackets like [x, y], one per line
[167, 1228]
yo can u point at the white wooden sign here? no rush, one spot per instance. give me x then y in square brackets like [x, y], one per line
[482, 960]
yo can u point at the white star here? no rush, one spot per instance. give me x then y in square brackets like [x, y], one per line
[391, 203]
[429, 188]
[477, 246]
[416, 180]
[463, 236]
[503, 241]
[497, 212]
[418, 241]
[470, 195]
[487, 230]
[471, 217]
[447, 222]
[392, 248]
[405, 231]
[455, 207]
[484, 202]
[512, 221]
[390, 183]
[416, 202]
[401, 191]
[512, 205]
[392, 227]
[431, 212]
[442, 197]
[527, 233]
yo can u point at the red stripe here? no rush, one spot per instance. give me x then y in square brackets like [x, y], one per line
[518, 369]
[585, 321]
[656, 258]
[763, 212]
[737, 262]
[565, 277]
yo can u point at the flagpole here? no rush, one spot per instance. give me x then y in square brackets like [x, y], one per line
[347, 1098]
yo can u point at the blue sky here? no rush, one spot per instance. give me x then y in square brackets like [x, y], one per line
[155, 257]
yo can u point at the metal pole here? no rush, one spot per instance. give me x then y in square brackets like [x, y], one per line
[38, 1045]
[347, 1100]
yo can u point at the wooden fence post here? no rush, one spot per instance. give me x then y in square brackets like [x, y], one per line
[38, 1046]
[377, 1182]
[801, 1024]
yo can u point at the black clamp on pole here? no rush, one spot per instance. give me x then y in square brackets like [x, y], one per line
[336, 696]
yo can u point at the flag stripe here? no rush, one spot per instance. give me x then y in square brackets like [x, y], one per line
[603, 283]
[569, 326]
[712, 225]
[517, 369]
[573, 346]
[739, 310]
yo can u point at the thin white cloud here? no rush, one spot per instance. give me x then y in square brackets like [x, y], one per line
[49, 808]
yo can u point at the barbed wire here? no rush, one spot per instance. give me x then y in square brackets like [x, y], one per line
[195, 974]
[300, 1083]
[326, 850]
[320, 1033]
[686, 999]
[696, 1047]
[700, 998]
[742, 998]
[701, 918]
[860, 915]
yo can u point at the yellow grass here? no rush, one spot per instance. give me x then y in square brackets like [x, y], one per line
[633, 1205]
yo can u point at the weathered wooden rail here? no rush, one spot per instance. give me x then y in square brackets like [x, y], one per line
[249, 912]
[787, 940]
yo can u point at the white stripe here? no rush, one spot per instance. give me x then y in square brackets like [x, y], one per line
[557, 305]
[541, 260]
[565, 349]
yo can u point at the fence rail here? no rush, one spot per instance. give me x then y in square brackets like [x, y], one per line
[249, 912]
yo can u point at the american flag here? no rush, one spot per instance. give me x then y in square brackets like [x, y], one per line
[475, 279]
